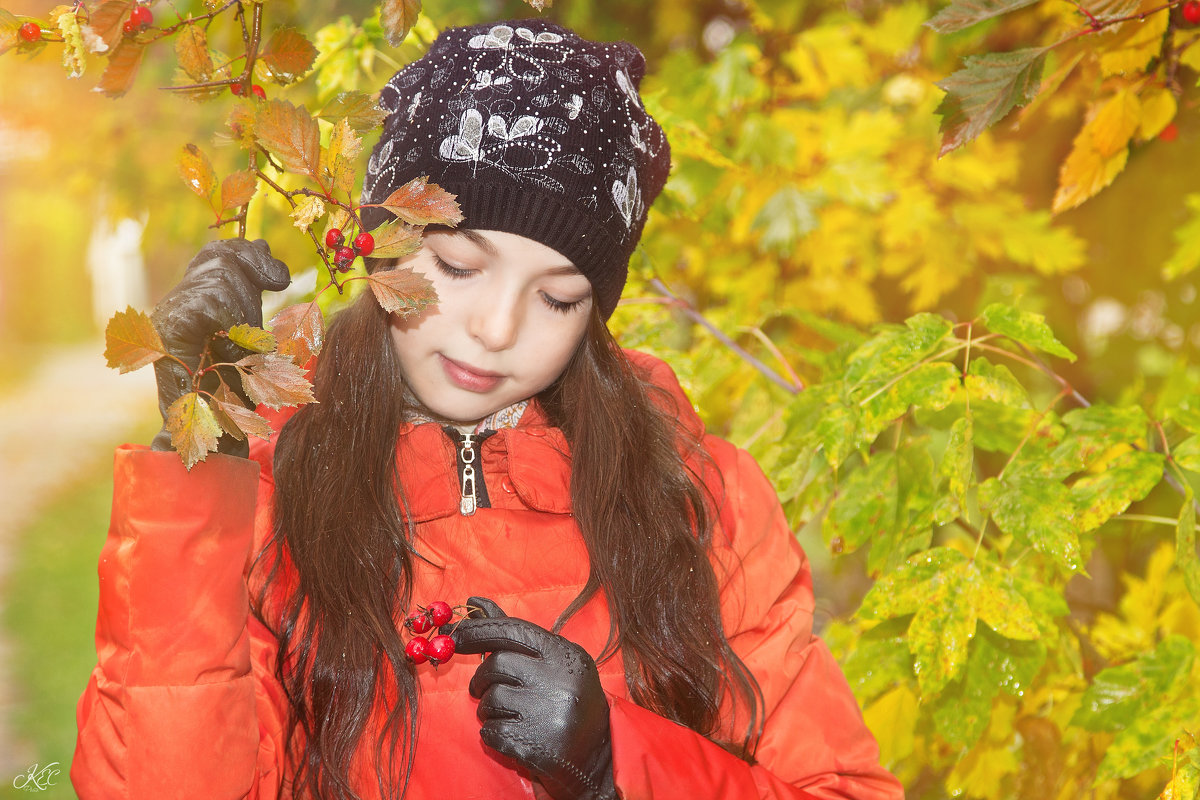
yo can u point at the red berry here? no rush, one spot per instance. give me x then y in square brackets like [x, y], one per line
[334, 238]
[343, 257]
[237, 89]
[418, 622]
[438, 610]
[259, 92]
[1191, 12]
[141, 17]
[1169, 133]
[129, 27]
[418, 649]
[31, 31]
[440, 649]
[364, 243]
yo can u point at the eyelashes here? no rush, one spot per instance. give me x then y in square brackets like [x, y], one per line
[454, 273]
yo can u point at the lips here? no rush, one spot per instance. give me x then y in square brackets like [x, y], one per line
[469, 378]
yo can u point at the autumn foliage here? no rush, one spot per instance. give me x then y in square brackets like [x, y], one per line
[857, 269]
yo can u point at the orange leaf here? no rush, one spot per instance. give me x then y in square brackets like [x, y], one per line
[103, 28]
[193, 427]
[191, 47]
[419, 202]
[237, 189]
[397, 17]
[300, 331]
[291, 135]
[395, 240]
[241, 126]
[288, 55]
[131, 341]
[273, 380]
[197, 171]
[360, 110]
[237, 420]
[122, 68]
[402, 291]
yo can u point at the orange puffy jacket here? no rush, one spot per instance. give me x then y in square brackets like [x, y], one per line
[184, 703]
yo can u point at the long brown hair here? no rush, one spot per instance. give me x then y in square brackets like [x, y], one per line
[343, 554]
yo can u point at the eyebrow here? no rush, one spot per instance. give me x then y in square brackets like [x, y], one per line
[484, 244]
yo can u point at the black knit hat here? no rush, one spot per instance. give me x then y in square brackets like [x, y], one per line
[539, 132]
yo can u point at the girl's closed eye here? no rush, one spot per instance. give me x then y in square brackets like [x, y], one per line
[449, 270]
[563, 306]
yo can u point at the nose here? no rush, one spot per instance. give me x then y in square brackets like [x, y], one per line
[495, 322]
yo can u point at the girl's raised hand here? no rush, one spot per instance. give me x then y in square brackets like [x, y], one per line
[540, 702]
[221, 287]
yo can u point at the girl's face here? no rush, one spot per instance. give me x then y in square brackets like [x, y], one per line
[510, 314]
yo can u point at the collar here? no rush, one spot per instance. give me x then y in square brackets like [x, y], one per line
[503, 419]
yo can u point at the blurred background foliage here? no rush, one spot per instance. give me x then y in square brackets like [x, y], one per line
[807, 204]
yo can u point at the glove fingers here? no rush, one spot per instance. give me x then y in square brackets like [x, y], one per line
[484, 608]
[516, 635]
[497, 669]
[501, 702]
[253, 260]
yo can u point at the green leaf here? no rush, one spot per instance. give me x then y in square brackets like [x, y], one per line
[958, 462]
[1129, 478]
[1187, 453]
[788, 216]
[1126, 423]
[865, 504]
[835, 431]
[1187, 414]
[942, 628]
[1186, 257]
[895, 349]
[1119, 695]
[1147, 740]
[965, 13]
[983, 92]
[900, 593]
[1024, 327]
[877, 659]
[1040, 512]
[248, 337]
[994, 382]
[1185, 545]
[930, 386]
[1001, 607]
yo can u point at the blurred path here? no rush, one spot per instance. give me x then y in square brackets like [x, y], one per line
[62, 421]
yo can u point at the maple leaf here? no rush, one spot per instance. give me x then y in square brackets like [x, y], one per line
[965, 13]
[237, 189]
[396, 240]
[983, 92]
[193, 427]
[191, 48]
[360, 110]
[402, 291]
[197, 171]
[122, 68]
[288, 55]
[237, 420]
[291, 135]
[273, 380]
[419, 202]
[131, 341]
[299, 331]
[248, 337]
[398, 17]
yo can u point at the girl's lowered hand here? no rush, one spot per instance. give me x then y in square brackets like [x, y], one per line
[540, 702]
[221, 287]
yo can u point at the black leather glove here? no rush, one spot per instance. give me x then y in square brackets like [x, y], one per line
[540, 702]
[221, 287]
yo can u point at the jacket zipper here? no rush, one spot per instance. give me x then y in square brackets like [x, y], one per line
[472, 487]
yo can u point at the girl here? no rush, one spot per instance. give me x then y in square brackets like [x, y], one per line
[643, 612]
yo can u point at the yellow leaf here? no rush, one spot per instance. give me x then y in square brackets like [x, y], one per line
[1099, 151]
[131, 341]
[248, 337]
[191, 47]
[197, 171]
[193, 428]
[1158, 109]
[1134, 46]
[307, 211]
[1189, 53]
[344, 148]
[1115, 123]
[892, 719]
[73, 50]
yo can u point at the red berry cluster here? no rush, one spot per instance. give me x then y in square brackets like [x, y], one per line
[258, 91]
[140, 18]
[1191, 12]
[436, 649]
[343, 257]
[31, 32]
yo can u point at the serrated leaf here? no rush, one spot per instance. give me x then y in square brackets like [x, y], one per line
[360, 110]
[941, 630]
[419, 202]
[74, 56]
[395, 240]
[1099, 152]
[882, 357]
[398, 17]
[1040, 512]
[965, 13]
[237, 189]
[931, 386]
[241, 125]
[248, 337]
[307, 211]
[103, 29]
[197, 171]
[402, 291]
[193, 428]
[122, 68]
[237, 420]
[191, 48]
[291, 135]
[288, 55]
[345, 146]
[995, 382]
[958, 463]
[274, 380]
[1001, 607]
[1025, 327]
[131, 341]
[1124, 481]
[299, 331]
[1186, 557]
[983, 92]
[898, 594]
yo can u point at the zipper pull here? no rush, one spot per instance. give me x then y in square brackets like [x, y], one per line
[469, 500]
